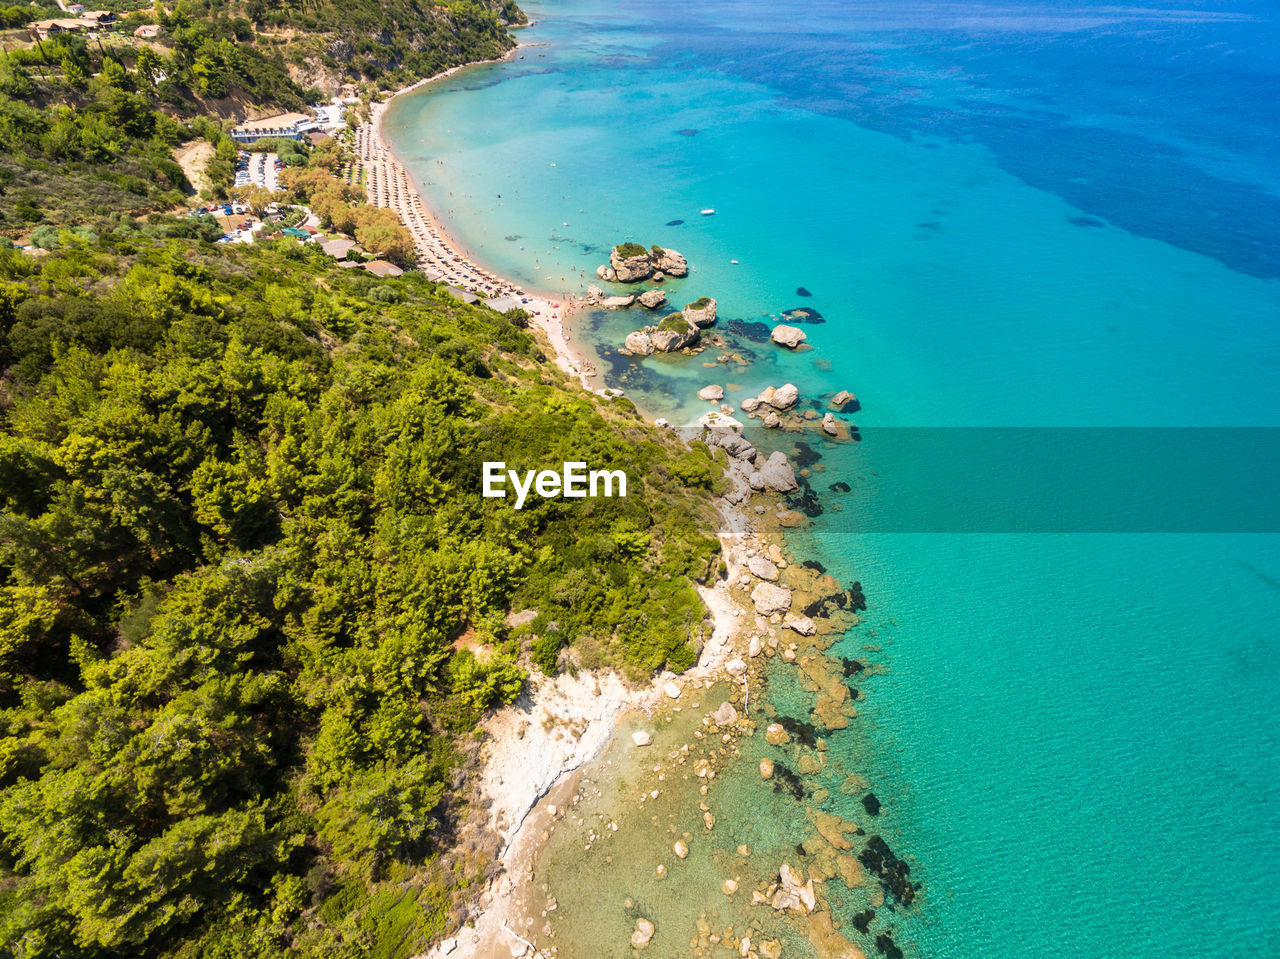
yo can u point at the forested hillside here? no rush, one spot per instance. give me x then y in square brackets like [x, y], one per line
[252, 604]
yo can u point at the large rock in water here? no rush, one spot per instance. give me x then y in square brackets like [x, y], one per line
[780, 398]
[630, 262]
[607, 273]
[670, 262]
[674, 333]
[617, 302]
[639, 343]
[768, 599]
[788, 336]
[701, 312]
[652, 299]
[714, 392]
[841, 398]
[777, 474]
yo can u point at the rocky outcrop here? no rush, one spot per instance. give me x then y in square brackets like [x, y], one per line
[644, 932]
[630, 263]
[771, 421]
[788, 336]
[701, 312]
[780, 398]
[726, 715]
[673, 333]
[617, 302]
[769, 599]
[801, 624]
[652, 299]
[761, 568]
[829, 425]
[713, 393]
[750, 404]
[670, 262]
[639, 343]
[792, 893]
[841, 399]
[777, 474]
[594, 294]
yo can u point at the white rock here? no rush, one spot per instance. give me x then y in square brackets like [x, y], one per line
[716, 420]
[771, 421]
[829, 425]
[762, 568]
[788, 336]
[768, 598]
[714, 392]
[447, 946]
[673, 691]
[641, 738]
[644, 932]
[801, 624]
[680, 849]
[639, 343]
[735, 667]
[726, 715]
[753, 648]
[750, 404]
[652, 299]
[617, 302]
[841, 399]
[777, 474]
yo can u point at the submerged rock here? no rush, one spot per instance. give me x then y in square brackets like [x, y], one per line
[766, 769]
[776, 735]
[617, 302]
[641, 738]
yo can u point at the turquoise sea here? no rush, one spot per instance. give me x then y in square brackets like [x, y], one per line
[1060, 218]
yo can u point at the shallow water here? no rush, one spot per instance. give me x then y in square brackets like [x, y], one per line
[1030, 216]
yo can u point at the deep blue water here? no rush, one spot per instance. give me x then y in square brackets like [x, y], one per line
[1025, 215]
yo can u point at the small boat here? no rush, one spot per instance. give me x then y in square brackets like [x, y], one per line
[733, 261]
[708, 212]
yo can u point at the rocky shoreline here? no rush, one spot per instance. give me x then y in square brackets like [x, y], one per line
[767, 607]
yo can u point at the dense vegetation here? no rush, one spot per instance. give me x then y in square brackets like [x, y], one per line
[252, 601]
[629, 251]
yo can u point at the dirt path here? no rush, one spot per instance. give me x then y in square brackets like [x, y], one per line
[194, 156]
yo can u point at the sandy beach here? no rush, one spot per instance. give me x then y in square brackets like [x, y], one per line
[388, 184]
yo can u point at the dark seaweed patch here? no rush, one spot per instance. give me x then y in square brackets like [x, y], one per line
[862, 920]
[871, 804]
[892, 872]
[675, 222]
[840, 487]
[806, 455]
[806, 734]
[755, 332]
[784, 780]
[512, 238]
[806, 501]
[814, 565]
[688, 132]
[852, 666]
[856, 598]
[801, 291]
[886, 946]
